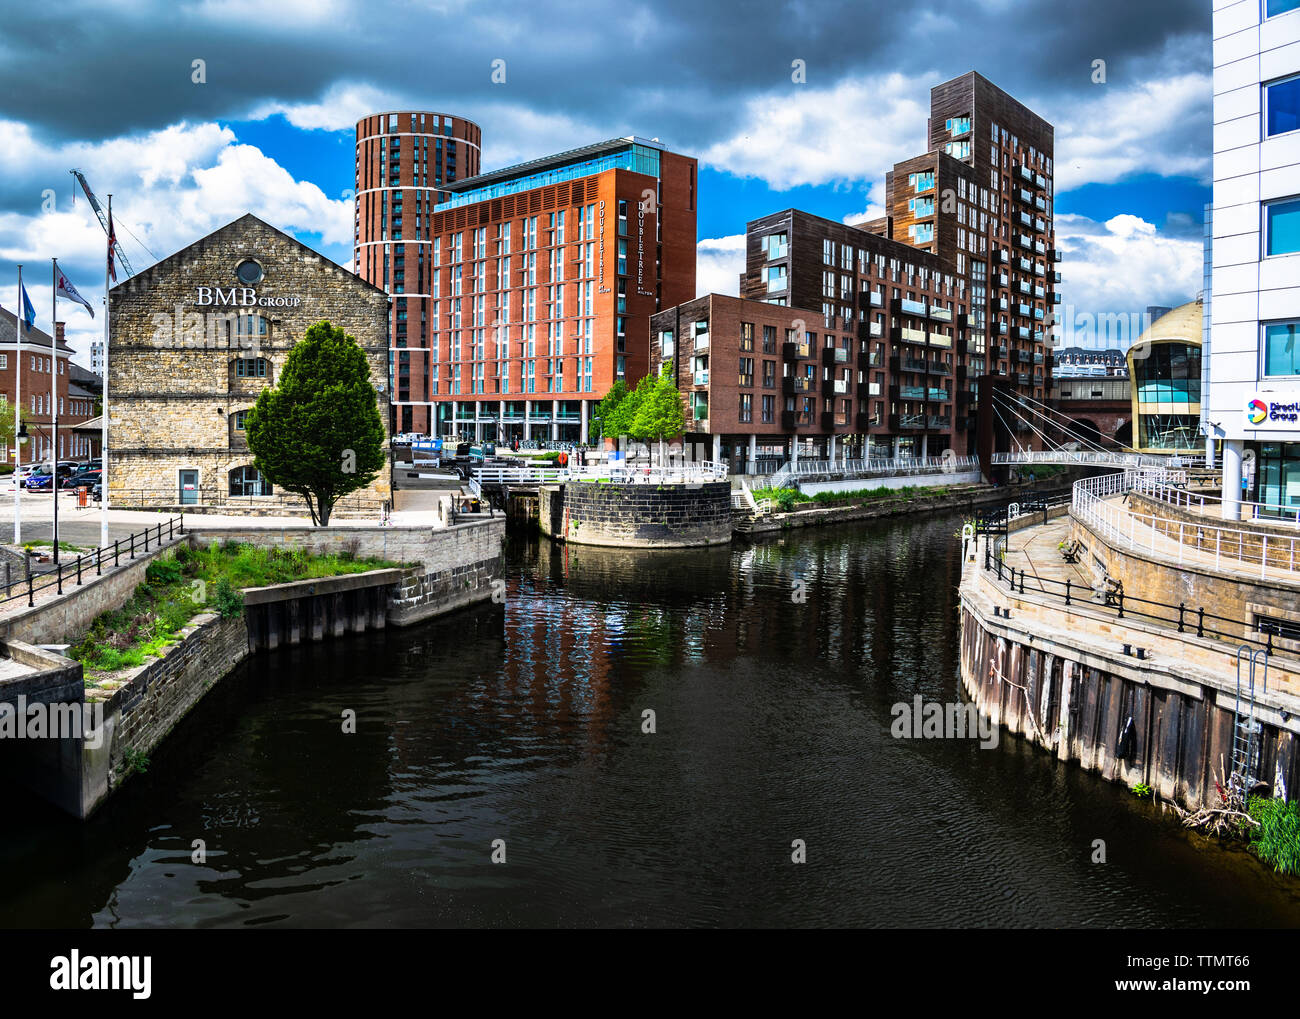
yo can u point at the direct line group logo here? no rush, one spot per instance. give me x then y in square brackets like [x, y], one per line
[1257, 412]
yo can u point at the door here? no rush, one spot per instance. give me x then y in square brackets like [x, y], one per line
[189, 481]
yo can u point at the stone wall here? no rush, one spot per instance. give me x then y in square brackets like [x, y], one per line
[1234, 595]
[643, 515]
[141, 712]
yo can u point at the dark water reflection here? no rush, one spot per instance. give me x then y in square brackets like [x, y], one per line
[524, 723]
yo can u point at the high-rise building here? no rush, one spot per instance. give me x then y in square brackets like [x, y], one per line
[537, 286]
[981, 199]
[1254, 355]
[403, 160]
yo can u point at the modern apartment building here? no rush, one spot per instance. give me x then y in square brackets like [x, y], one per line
[520, 295]
[1254, 372]
[403, 160]
[875, 367]
[981, 199]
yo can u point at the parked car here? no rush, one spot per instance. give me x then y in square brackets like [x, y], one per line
[81, 478]
[42, 481]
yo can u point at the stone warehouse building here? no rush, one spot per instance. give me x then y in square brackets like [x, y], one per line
[195, 338]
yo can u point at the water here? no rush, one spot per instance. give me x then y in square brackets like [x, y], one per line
[524, 724]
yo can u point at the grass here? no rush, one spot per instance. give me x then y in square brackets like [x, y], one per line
[64, 546]
[192, 580]
[1277, 840]
[787, 498]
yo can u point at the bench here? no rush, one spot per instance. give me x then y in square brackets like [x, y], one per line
[1113, 591]
[1070, 551]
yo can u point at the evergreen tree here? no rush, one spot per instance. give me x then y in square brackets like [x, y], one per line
[318, 433]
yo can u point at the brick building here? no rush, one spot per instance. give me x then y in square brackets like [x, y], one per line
[520, 295]
[38, 365]
[195, 337]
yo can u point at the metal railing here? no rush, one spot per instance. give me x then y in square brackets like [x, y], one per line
[1263, 512]
[1093, 501]
[616, 471]
[1099, 458]
[1180, 618]
[75, 571]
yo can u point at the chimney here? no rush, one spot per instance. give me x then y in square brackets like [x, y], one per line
[58, 334]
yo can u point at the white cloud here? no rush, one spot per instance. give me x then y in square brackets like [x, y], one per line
[1155, 127]
[854, 130]
[171, 187]
[338, 109]
[1121, 266]
[719, 261]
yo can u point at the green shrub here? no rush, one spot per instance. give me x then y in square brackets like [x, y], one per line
[1277, 839]
[161, 572]
[229, 601]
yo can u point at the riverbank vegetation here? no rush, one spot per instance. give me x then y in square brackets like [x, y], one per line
[788, 498]
[188, 581]
[1277, 839]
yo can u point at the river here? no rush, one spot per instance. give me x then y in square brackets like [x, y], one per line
[770, 671]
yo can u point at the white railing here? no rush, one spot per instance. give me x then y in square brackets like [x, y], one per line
[783, 477]
[475, 489]
[891, 465]
[690, 472]
[1212, 505]
[1094, 501]
[1097, 457]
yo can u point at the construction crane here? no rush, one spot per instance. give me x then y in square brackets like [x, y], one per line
[103, 221]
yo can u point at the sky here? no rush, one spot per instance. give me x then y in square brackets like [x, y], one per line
[193, 112]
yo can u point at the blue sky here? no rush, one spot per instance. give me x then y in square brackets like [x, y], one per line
[269, 129]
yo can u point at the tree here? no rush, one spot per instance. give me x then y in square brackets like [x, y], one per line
[318, 433]
[659, 413]
[604, 415]
[624, 412]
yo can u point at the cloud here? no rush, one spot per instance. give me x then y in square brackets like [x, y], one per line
[172, 187]
[1155, 127]
[848, 132]
[719, 261]
[1121, 266]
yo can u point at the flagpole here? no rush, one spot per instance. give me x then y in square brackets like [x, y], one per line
[103, 424]
[18, 410]
[54, 404]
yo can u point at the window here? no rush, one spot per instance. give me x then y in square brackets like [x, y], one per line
[769, 409]
[1281, 352]
[241, 420]
[1282, 106]
[1272, 8]
[4, 360]
[248, 481]
[746, 371]
[746, 408]
[1282, 227]
[250, 367]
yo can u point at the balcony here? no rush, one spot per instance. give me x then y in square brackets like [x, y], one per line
[1056, 254]
[1040, 247]
[907, 364]
[792, 419]
[937, 395]
[1022, 332]
[876, 329]
[1040, 204]
[939, 368]
[873, 389]
[1004, 280]
[1022, 378]
[1022, 356]
[907, 392]
[906, 422]
[1025, 219]
[702, 377]
[702, 412]
[876, 298]
[1038, 359]
[1040, 224]
[911, 335]
[1025, 241]
[1026, 174]
[1024, 287]
[866, 419]
[1004, 255]
[1003, 328]
[793, 384]
[1025, 265]
[941, 314]
[1025, 196]
[831, 421]
[1023, 310]
[921, 208]
[1039, 314]
[908, 307]
[870, 359]
[836, 387]
[796, 351]
[1056, 298]
[939, 340]
[835, 355]
[1039, 269]
[940, 422]
[1056, 276]
[1003, 304]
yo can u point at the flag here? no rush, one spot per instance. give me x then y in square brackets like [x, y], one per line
[112, 242]
[66, 289]
[29, 313]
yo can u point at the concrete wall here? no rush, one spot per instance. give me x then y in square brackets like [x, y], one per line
[639, 516]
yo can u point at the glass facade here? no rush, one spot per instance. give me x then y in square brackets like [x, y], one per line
[1167, 389]
[1282, 103]
[1282, 227]
[637, 158]
[1279, 477]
